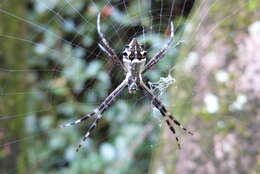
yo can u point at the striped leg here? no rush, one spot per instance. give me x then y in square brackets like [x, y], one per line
[166, 114]
[85, 117]
[155, 59]
[104, 45]
[104, 105]
[91, 128]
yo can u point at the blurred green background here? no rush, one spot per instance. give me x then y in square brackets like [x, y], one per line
[52, 71]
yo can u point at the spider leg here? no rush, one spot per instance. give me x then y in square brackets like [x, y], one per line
[103, 107]
[165, 113]
[104, 45]
[158, 56]
[85, 117]
[91, 128]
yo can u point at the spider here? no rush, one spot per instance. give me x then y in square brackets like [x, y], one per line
[134, 65]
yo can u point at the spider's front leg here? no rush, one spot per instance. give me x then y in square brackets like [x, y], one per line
[104, 45]
[158, 56]
[165, 113]
[98, 111]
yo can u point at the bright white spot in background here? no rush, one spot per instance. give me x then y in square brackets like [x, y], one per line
[121, 145]
[55, 143]
[211, 102]
[42, 6]
[108, 152]
[239, 103]
[31, 123]
[40, 49]
[93, 68]
[192, 60]
[160, 171]
[227, 147]
[87, 41]
[254, 29]
[222, 76]
[70, 153]
[189, 27]
[221, 124]
[69, 25]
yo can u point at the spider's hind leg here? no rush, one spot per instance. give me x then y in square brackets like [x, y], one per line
[158, 104]
[165, 113]
[179, 124]
[174, 132]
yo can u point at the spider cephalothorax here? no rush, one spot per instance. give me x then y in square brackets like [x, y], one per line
[134, 50]
[134, 65]
[134, 59]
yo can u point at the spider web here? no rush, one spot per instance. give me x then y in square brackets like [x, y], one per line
[66, 75]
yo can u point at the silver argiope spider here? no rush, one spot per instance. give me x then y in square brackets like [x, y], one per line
[134, 65]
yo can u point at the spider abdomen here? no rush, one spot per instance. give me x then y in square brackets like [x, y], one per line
[133, 87]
